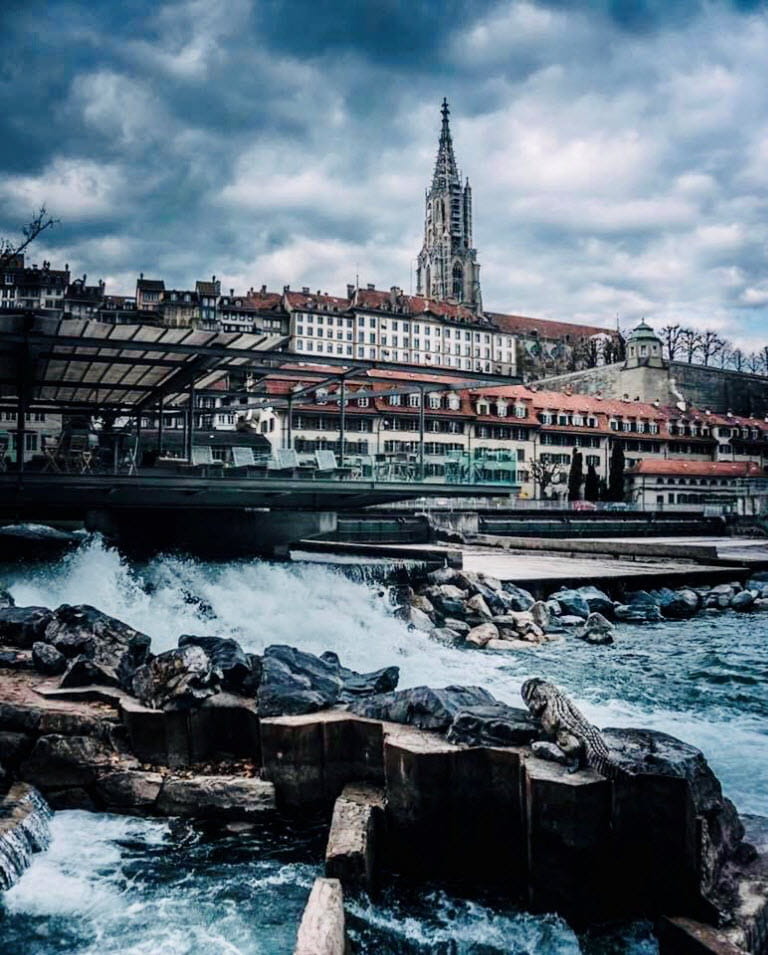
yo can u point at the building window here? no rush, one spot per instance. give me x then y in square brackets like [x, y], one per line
[414, 400]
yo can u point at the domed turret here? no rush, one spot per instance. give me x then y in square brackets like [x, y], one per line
[644, 347]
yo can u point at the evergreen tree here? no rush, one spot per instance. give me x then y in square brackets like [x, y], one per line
[591, 485]
[616, 472]
[575, 477]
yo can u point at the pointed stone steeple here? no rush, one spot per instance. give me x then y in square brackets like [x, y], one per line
[446, 171]
[447, 266]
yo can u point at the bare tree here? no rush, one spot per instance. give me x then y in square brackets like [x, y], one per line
[737, 359]
[545, 473]
[10, 248]
[690, 343]
[711, 344]
[672, 339]
[754, 362]
[725, 358]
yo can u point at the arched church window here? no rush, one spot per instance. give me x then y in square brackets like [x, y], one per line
[429, 281]
[458, 282]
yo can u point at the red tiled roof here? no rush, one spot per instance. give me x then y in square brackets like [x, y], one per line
[664, 467]
[544, 327]
[309, 300]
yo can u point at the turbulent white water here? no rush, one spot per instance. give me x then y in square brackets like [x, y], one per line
[702, 680]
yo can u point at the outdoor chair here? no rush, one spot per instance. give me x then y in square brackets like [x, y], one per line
[52, 451]
[243, 458]
[78, 455]
[5, 443]
[326, 461]
[284, 459]
[203, 459]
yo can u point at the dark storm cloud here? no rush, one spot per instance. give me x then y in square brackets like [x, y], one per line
[618, 151]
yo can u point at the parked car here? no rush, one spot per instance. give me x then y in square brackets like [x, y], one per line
[616, 506]
[584, 506]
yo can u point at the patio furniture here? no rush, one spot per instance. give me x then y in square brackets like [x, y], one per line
[5, 444]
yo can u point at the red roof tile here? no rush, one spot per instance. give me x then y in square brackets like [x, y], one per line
[544, 327]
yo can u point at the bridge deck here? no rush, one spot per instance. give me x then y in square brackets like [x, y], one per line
[50, 495]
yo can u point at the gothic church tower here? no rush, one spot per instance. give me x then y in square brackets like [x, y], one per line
[447, 266]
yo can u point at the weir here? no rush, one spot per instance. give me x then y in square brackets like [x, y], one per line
[24, 830]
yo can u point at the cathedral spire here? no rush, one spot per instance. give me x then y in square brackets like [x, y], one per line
[446, 172]
[448, 267]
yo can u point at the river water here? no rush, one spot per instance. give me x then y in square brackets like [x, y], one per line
[110, 884]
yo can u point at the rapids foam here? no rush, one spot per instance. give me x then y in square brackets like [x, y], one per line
[703, 680]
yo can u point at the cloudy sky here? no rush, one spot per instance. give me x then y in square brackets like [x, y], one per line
[618, 151]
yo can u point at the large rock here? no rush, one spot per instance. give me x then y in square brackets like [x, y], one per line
[449, 606]
[493, 724]
[540, 614]
[638, 613]
[177, 679]
[104, 650]
[22, 626]
[418, 619]
[480, 635]
[423, 706]
[355, 685]
[6, 600]
[597, 600]
[519, 599]
[294, 682]
[673, 604]
[742, 601]
[596, 629]
[479, 605]
[220, 797]
[573, 603]
[58, 762]
[129, 790]
[48, 659]
[226, 655]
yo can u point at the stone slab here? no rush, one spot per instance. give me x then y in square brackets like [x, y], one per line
[322, 929]
[311, 758]
[218, 797]
[681, 936]
[350, 854]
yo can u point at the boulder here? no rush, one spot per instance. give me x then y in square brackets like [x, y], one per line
[6, 600]
[418, 619]
[742, 601]
[58, 762]
[446, 635]
[127, 790]
[104, 650]
[637, 613]
[48, 659]
[177, 679]
[451, 592]
[294, 682]
[675, 605]
[423, 603]
[572, 602]
[460, 626]
[553, 606]
[423, 706]
[761, 603]
[16, 660]
[596, 630]
[597, 600]
[569, 620]
[540, 614]
[493, 582]
[479, 606]
[22, 626]
[493, 724]
[532, 633]
[449, 607]
[443, 575]
[519, 599]
[479, 636]
[507, 642]
[354, 685]
[226, 655]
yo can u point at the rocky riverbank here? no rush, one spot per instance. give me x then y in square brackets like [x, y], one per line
[460, 607]
[95, 720]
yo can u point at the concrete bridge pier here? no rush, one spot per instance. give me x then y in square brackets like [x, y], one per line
[220, 532]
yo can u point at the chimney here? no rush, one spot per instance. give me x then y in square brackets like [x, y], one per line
[286, 288]
[350, 291]
[371, 286]
[263, 289]
[141, 274]
[213, 279]
[231, 293]
[305, 290]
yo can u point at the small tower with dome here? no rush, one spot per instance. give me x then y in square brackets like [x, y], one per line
[644, 348]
